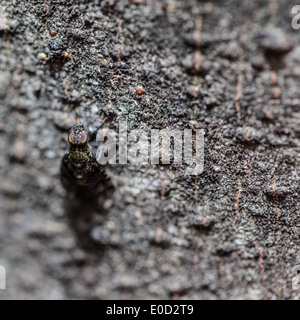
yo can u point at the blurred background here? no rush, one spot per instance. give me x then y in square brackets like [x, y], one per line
[232, 67]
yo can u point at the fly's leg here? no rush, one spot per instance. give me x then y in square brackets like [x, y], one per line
[94, 134]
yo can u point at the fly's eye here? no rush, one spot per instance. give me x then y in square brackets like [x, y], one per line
[83, 137]
[70, 138]
[78, 136]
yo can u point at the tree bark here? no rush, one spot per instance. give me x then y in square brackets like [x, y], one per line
[230, 68]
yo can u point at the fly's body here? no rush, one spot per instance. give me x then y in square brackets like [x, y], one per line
[78, 155]
[80, 171]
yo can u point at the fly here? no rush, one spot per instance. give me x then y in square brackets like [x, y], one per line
[80, 172]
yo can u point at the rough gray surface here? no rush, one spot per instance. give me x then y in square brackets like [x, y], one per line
[232, 66]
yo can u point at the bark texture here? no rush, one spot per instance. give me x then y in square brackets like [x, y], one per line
[231, 68]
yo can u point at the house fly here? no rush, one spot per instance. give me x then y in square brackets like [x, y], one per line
[80, 172]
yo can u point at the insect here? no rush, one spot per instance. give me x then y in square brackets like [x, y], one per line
[80, 172]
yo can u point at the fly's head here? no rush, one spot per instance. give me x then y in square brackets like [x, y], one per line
[78, 136]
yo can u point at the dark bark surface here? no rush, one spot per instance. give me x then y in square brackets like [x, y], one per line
[232, 67]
